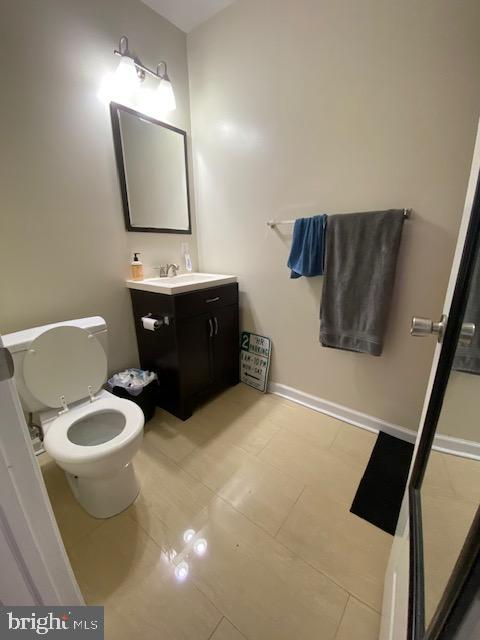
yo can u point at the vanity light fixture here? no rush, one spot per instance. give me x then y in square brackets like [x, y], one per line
[165, 93]
[131, 72]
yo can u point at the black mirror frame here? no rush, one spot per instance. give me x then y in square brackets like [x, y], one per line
[115, 109]
[464, 582]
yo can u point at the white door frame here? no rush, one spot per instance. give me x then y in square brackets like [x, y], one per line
[35, 567]
[395, 597]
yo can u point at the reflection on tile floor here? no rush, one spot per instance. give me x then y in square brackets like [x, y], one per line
[265, 487]
[450, 497]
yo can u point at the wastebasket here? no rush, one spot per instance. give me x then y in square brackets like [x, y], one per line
[138, 386]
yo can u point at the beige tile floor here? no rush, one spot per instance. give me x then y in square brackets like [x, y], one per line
[268, 484]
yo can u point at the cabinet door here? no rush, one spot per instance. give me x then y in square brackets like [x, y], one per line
[225, 346]
[195, 336]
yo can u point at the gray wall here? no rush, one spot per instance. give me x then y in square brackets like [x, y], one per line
[318, 106]
[63, 245]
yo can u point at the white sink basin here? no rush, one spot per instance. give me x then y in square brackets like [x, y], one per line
[181, 284]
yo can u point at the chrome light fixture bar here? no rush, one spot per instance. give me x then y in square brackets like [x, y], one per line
[131, 72]
[124, 52]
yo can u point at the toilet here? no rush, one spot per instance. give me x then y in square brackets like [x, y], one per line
[91, 434]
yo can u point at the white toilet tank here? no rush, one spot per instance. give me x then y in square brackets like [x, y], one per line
[19, 342]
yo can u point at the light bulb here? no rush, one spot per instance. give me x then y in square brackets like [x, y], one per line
[165, 96]
[126, 74]
[121, 85]
[181, 571]
[200, 546]
[188, 535]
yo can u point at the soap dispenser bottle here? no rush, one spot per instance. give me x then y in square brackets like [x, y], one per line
[136, 267]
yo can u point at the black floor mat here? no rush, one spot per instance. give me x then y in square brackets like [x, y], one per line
[380, 492]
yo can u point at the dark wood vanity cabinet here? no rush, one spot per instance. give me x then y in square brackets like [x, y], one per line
[195, 350]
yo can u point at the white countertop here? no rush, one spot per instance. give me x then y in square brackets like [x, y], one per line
[181, 283]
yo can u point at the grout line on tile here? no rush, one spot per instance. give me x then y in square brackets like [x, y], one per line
[290, 511]
[278, 467]
[342, 616]
[176, 460]
[81, 539]
[369, 606]
[217, 625]
[300, 558]
[218, 495]
[341, 586]
[325, 575]
[100, 523]
[235, 627]
[254, 457]
[295, 554]
[334, 440]
[145, 531]
[279, 429]
[243, 515]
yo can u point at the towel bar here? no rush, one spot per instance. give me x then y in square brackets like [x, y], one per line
[275, 223]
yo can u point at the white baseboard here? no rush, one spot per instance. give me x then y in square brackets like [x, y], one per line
[446, 444]
[457, 446]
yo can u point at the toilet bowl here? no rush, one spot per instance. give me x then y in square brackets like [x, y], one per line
[94, 443]
[90, 433]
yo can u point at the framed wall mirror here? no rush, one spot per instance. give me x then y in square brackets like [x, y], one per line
[444, 489]
[153, 172]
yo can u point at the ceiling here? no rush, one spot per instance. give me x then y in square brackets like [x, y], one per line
[187, 14]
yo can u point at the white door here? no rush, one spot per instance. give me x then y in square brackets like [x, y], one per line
[35, 569]
[396, 593]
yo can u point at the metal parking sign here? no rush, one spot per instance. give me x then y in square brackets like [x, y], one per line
[255, 357]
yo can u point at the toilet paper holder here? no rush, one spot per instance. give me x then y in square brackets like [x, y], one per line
[157, 322]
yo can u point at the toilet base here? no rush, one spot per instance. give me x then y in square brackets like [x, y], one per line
[105, 497]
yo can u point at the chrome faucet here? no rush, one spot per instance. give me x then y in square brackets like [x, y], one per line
[164, 269]
[174, 267]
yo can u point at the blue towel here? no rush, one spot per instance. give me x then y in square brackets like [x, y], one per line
[308, 243]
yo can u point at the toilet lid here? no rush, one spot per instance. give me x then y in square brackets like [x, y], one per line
[64, 361]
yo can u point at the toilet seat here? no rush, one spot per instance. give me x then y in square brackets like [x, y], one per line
[59, 446]
[63, 365]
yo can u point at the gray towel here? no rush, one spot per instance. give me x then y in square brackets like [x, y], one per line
[467, 358]
[361, 255]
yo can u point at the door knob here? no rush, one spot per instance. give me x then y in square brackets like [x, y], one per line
[425, 327]
[466, 334]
